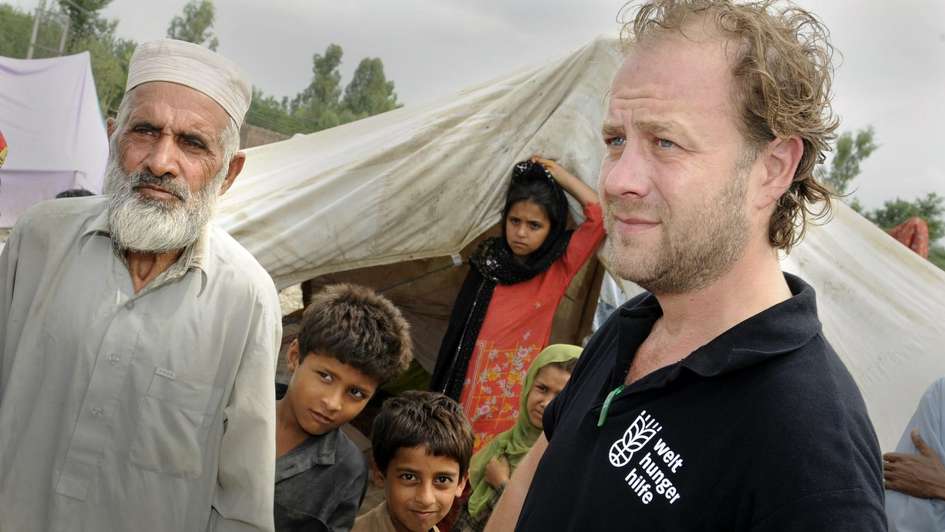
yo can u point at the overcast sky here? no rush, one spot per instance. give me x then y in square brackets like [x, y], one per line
[892, 75]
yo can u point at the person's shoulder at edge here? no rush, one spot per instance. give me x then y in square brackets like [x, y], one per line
[50, 213]
[57, 219]
[237, 264]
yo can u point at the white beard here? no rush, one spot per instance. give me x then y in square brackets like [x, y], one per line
[138, 223]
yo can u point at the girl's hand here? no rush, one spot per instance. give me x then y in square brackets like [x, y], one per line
[571, 184]
[498, 472]
[555, 169]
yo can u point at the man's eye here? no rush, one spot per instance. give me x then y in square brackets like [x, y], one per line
[444, 479]
[665, 144]
[324, 376]
[193, 143]
[615, 142]
[144, 130]
[409, 477]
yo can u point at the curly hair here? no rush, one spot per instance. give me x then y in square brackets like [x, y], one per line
[783, 72]
[422, 418]
[360, 328]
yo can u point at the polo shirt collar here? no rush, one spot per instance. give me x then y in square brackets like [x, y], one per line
[778, 330]
[314, 451]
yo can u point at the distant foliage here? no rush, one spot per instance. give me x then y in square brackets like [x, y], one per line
[321, 105]
[86, 21]
[849, 152]
[369, 92]
[16, 29]
[195, 24]
[324, 103]
[930, 208]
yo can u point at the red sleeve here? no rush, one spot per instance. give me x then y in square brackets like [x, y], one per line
[584, 241]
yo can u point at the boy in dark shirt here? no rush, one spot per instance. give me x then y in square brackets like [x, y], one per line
[422, 443]
[352, 340]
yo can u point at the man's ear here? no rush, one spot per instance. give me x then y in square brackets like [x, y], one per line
[236, 166]
[110, 126]
[292, 355]
[780, 159]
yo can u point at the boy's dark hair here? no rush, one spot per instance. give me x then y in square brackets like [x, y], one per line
[358, 327]
[564, 365]
[74, 193]
[422, 418]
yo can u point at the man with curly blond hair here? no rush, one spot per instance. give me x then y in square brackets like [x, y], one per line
[713, 402]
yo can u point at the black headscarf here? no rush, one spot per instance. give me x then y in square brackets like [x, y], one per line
[493, 263]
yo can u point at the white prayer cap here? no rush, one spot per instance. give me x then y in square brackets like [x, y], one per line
[193, 66]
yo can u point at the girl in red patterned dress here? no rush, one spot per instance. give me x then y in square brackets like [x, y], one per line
[502, 317]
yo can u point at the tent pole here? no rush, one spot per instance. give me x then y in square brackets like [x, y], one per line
[36, 17]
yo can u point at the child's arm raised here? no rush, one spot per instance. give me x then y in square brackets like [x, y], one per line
[509, 506]
[571, 184]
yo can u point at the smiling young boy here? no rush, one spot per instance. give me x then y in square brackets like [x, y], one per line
[421, 443]
[352, 340]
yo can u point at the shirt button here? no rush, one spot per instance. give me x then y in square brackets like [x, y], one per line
[97, 411]
[130, 304]
[113, 359]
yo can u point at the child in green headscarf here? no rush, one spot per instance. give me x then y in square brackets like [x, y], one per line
[492, 466]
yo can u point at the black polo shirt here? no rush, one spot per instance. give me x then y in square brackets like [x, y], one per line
[761, 429]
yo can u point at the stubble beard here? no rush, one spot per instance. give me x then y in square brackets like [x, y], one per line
[148, 225]
[696, 248]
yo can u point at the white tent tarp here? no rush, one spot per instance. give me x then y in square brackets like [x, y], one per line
[424, 182]
[414, 182]
[50, 117]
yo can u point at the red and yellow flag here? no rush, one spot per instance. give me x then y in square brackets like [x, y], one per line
[3, 149]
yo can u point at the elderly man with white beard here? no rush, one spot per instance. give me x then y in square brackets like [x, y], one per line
[137, 340]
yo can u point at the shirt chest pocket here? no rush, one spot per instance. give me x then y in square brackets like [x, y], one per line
[173, 425]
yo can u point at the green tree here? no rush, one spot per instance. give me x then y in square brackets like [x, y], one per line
[195, 24]
[320, 105]
[931, 208]
[267, 112]
[317, 107]
[937, 255]
[90, 32]
[110, 57]
[85, 20]
[850, 150]
[369, 92]
[17, 26]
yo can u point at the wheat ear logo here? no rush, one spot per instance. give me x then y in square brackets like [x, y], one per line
[638, 434]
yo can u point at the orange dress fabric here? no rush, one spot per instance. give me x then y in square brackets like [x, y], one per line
[516, 328]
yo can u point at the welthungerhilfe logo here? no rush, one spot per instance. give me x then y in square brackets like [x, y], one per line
[653, 474]
[638, 434]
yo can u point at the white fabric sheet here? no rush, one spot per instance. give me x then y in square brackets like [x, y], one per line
[415, 182]
[50, 117]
